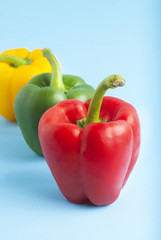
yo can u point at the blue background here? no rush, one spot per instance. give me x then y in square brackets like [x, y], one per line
[92, 39]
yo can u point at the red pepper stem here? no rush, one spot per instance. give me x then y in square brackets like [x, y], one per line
[15, 61]
[56, 79]
[112, 81]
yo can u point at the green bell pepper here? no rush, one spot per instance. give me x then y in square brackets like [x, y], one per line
[42, 92]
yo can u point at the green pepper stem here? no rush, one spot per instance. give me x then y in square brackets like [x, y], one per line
[112, 81]
[56, 79]
[15, 61]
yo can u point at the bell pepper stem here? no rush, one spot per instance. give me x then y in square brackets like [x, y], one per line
[15, 61]
[56, 79]
[112, 81]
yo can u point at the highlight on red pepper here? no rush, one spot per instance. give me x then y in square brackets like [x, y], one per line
[91, 148]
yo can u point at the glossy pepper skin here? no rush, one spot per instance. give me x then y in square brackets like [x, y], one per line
[17, 67]
[91, 150]
[42, 92]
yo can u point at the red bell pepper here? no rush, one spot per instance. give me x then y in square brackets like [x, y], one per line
[91, 148]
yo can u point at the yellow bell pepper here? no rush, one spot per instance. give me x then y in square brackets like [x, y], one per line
[17, 67]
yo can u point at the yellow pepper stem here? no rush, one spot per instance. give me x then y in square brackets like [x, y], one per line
[15, 61]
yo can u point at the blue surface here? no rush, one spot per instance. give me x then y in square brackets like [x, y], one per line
[92, 40]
